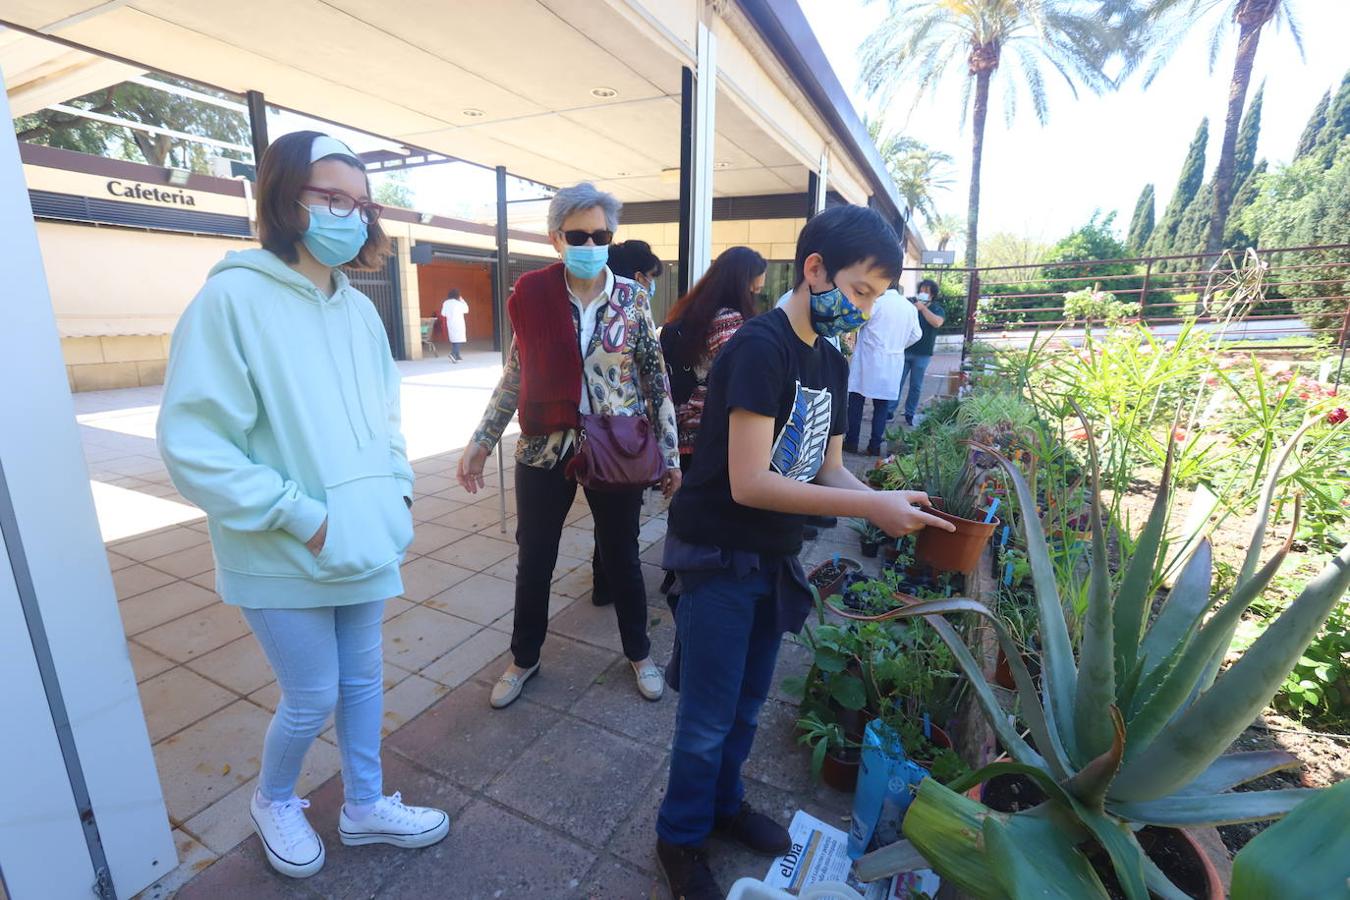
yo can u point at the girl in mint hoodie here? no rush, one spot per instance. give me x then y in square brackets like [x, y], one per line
[280, 419]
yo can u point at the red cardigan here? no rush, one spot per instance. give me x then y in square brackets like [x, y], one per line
[546, 342]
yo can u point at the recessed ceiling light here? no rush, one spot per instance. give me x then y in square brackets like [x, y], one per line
[722, 164]
[604, 93]
[623, 174]
[473, 113]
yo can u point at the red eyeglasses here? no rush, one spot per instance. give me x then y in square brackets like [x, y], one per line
[342, 204]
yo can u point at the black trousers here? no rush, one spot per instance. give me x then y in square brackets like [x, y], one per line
[543, 498]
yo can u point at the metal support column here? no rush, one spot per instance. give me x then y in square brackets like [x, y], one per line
[812, 192]
[698, 97]
[499, 337]
[257, 123]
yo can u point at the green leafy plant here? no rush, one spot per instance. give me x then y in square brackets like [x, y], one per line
[823, 738]
[954, 480]
[1312, 842]
[1131, 730]
[1094, 305]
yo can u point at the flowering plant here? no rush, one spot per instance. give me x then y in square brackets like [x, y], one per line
[1094, 304]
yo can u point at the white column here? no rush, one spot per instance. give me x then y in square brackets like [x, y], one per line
[705, 131]
[74, 743]
[823, 181]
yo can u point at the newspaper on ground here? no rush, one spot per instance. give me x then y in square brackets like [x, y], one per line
[820, 853]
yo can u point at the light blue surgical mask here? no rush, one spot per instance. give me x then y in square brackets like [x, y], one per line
[651, 287]
[923, 297]
[833, 314]
[334, 240]
[587, 261]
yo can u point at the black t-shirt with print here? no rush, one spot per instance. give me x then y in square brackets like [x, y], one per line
[766, 369]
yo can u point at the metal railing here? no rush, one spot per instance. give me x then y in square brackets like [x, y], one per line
[1298, 294]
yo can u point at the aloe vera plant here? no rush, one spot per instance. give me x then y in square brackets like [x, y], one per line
[1131, 731]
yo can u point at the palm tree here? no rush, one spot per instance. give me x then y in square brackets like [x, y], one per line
[918, 175]
[944, 228]
[913, 46]
[1164, 23]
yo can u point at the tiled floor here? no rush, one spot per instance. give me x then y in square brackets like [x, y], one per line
[554, 797]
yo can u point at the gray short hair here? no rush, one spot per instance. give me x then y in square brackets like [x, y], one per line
[579, 198]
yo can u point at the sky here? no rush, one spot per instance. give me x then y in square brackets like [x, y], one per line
[1097, 152]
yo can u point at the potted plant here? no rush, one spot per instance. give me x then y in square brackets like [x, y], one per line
[870, 537]
[828, 577]
[1132, 732]
[957, 485]
[834, 756]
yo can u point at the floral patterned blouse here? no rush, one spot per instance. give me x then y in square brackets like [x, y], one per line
[625, 375]
[689, 415]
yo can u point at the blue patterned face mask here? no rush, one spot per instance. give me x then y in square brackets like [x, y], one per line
[833, 314]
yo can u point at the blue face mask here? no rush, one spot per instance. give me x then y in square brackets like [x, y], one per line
[833, 314]
[651, 287]
[334, 240]
[587, 261]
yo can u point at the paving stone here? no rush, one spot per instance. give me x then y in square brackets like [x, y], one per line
[578, 778]
[416, 637]
[634, 840]
[240, 665]
[267, 696]
[427, 509]
[576, 542]
[475, 552]
[469, 518]
[482, 599]
[794, 660]
[118, 562]
[591, 624]
[653, 554]
[355, 872]
[541, 864]
[776, 758]
[609, 879]
[462, 738]
[192, 859]
[223, 824]
[245, 874]
[613, 701]
[176, 698]
[567, 669]
[137, 578]
[395, 606]
[576, 583]
[463, 497]
[206, 580]
[145, 662]
[654, 530]
[197, 633]
[153, 546]
[205, 761]
[424, 578]
[407, 699]
[431, 483]
[463, 662]
[186, 563]
[428, 536]
[164, 604]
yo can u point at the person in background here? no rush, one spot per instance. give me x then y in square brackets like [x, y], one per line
[627, 259]
[584, 343]
[877, 366]
[700, 325]
[920, 354]
[770, 452]
[280, 419]
[453, 310]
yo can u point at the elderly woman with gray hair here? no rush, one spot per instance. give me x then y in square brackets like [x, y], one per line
[621, 373]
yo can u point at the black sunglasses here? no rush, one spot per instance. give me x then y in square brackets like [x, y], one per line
[576, 237]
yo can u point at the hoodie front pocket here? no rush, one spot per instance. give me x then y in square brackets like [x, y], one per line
[369, 527]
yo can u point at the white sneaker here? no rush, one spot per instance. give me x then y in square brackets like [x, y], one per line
[651, 681]
[292, 846]
[508, 687]
[391, 822]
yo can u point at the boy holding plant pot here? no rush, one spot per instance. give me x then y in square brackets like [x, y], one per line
[769, 454]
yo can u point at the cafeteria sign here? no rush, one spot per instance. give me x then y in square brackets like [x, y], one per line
[138, 191]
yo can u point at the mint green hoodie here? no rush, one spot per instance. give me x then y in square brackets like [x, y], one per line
[281, 409]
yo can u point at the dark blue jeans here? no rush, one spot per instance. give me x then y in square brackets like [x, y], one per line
[915, 366]
[881, 410]
[729, 644]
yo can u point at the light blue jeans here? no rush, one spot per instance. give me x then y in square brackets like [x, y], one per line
[324, 659]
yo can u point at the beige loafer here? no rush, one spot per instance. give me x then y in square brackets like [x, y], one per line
[651, 680]
[508, 687]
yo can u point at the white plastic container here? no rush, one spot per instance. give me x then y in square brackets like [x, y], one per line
[754, 889]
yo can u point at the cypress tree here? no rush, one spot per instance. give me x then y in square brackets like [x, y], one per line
[1141, 223]
[1235, 233]
[1193, 230]
[1337, 125]
[1248, 134]
[1162, 242]
[1316, 122]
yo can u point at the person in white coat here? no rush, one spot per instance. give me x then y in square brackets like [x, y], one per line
[453, 310]
[878, 365]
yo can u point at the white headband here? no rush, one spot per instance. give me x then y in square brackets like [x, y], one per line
[325, 145]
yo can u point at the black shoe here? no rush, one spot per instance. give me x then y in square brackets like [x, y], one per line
[850, 448]
[909, 420]
[687, 873]
[599, 599]
[809, 533]
[873, 449]
[754, 830]
[822, 521]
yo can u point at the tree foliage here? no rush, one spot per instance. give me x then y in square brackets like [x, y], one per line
[393, 190]
[1141, 223]
[149, 106]
[1163, 240]
[1308, 140]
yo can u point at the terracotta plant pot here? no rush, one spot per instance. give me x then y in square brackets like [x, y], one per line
[834, 586]
[954, 551]
[841, 772]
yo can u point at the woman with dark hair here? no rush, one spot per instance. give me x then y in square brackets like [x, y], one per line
[280, 419]
[698, 327]
[634, 259]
